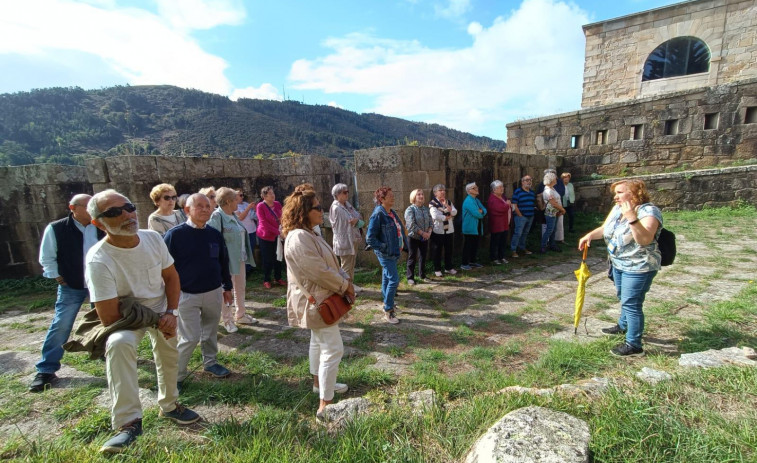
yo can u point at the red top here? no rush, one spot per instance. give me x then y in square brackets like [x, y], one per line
[268, 224]
[499, 214]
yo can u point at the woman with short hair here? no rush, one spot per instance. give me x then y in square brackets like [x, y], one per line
[240, 253]
[473, 215]
[443, 213]
[269, 227]
[568, 199]
[210, 192]
[246, 214]
[165, 216]
[552, 209]
[345, 221]
[313, 272]
[499, 222]
[630, 230]
[386, 236]
[419, 225]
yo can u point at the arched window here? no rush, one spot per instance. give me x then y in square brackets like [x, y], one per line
[680, 56]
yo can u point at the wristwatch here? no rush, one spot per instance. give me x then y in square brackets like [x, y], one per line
[172, 312]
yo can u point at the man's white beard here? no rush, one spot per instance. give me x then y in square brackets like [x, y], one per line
[126, 228]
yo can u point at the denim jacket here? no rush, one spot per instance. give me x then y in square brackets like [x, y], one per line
[382, 233]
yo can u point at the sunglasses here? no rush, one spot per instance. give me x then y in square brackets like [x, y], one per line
[317, 208]
[116, 211]
[170, 198]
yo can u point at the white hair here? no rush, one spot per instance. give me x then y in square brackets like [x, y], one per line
[92, 207]
[470, 186]
[496, 184]
[338, 188]
[193, 198]
[549, 177]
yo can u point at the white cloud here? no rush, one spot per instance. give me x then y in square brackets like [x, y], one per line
[475, 28]
[452, 9]
[142, 47]
[264, 92]
[334, 104]
[201, 14]
[530, 62]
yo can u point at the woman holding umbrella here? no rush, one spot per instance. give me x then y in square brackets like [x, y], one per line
[630, 231]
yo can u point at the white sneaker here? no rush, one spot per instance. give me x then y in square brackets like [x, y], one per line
[339, 388]
[358, 289]
[438, 274]
[246, 320]
[391, 318]
[230, 327]
[411, 282]
[452, 271]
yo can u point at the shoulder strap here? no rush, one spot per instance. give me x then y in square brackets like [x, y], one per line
[272, 212]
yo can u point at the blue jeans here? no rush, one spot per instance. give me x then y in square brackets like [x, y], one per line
[390, 279]
[522, 227]
[66, 308]
[548, 238]
[632, 289]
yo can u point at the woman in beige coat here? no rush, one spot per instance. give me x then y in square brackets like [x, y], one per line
[313, 271]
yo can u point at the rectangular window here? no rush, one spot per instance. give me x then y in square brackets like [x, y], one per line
[637, 132]
[601, 137]
[576, 141]
[711, 121]
[751, 115]
[671, 127]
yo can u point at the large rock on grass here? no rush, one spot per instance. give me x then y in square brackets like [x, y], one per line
[531, 435]
[744, 356]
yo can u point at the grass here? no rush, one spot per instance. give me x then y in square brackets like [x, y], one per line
[700, 416]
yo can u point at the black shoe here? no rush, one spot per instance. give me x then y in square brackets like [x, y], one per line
[126, 436]
[180, 415]
[614, 330]
[555, 248]
[41, 382]
[627, 350]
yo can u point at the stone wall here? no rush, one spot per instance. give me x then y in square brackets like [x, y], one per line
[631, 138]
[617, 49]
[680, 190]
[405, 168]
[30, 198]
[33, 196]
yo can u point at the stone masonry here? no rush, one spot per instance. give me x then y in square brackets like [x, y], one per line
[700, 128]
[617, 49]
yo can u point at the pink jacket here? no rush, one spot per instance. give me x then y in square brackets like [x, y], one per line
[268, 224]
[499, 214]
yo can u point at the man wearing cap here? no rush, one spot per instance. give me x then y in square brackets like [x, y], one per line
[65, 243]
[134, 263]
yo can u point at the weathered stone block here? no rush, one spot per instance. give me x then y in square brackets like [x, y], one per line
[431, 158]
[384, 159]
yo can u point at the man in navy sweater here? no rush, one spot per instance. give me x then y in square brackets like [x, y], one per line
[201, 258]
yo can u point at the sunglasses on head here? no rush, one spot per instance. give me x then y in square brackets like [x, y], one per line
[170, 198]
[317, 208]
[116, 211]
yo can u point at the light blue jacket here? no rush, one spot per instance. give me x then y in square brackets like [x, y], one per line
[231, 229]
[471, 216]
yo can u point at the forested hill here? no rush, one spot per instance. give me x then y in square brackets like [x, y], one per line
[61, 125]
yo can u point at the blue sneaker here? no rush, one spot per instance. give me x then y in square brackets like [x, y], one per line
[181, 415]
[126, 436]
[218, 371]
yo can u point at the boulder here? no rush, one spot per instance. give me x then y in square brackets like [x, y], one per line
[339, 414]
[531, 435]
[744, 356]
[421, 401]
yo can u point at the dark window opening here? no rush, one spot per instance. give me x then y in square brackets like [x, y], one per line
[711, 121]
[671, 127]
[601, 137]
[680, 56]
[576, 142]
[751, 115]
[637, 132]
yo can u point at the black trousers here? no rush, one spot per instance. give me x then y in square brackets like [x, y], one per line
[268, 254]
[569, 212]
[416, 254]
[498, 245]
[470, 249]
[441, 243]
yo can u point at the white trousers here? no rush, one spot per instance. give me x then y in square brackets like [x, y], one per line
[198, 323]
[559, 230]
[121, 370]
[240, 282]
[326, 351]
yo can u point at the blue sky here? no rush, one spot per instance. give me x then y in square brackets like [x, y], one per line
[472, 65]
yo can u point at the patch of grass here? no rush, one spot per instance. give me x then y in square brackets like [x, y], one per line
[287, 333]
[74, 403]
[15, 401]
[396, 351]
[26, 327]
[512, 319]
[279, 302]
[567, 362]
[463, 334]
[364, 341]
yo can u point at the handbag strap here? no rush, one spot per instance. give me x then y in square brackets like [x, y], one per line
[272, 212]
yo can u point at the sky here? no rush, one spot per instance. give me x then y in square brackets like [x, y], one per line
[472, 65]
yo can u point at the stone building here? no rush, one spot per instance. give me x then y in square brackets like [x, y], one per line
[673, 88]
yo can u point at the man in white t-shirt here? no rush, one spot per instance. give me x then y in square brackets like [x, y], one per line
[136, 263]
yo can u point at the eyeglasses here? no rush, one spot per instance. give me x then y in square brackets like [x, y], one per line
[116, 211]
[170, 198]
[318, 208]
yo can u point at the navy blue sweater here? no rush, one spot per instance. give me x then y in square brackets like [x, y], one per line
[200, 257]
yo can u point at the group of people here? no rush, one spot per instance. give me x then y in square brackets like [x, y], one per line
[175, 288]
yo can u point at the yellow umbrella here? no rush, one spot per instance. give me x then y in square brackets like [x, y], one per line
[582, 274]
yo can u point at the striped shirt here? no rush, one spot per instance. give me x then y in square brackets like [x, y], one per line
[525, 200]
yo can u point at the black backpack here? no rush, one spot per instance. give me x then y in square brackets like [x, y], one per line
[667, 244]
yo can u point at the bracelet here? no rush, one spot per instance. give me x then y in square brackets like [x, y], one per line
[631, 223]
